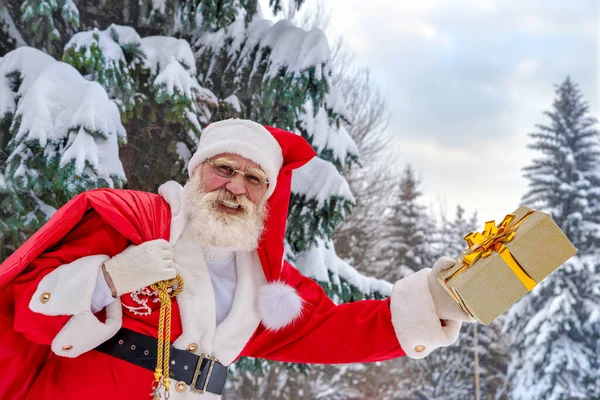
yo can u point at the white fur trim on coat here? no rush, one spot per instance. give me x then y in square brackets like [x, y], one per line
[279, 305]
[85, 332]
[173, 194]
[245, 138]
[70, 287]
[415, 319]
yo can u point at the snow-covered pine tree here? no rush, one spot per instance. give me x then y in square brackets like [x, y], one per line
[10, 37]
[450, 236]
[409, 242]
[565, 181]
[556, 328]
[448, 373]
[52, 147]
[250, 69]
[153, 81]
[555, 334]
[242, 59]
[229, 62]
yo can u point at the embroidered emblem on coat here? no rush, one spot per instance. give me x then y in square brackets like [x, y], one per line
[141, 298]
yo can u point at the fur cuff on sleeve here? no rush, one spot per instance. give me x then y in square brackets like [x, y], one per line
[417, 325]
[85, 332]
[68, 290]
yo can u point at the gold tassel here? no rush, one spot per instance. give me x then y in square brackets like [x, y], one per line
[163, 354]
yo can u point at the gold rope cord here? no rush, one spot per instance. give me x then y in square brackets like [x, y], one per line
[165, 290]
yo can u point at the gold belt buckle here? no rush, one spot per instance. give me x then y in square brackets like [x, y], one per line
[212, 361]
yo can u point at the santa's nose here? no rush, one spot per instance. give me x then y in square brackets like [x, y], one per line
[236, 184]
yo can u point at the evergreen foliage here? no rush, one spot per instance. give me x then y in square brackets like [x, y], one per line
[410, 235]
[556, 331]
[450, 237]
[556, 328]
[565, 181]
[166, 69]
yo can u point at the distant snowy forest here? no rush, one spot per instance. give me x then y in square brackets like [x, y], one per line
[115, 93]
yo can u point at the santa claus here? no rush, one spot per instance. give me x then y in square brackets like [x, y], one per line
[82, 315]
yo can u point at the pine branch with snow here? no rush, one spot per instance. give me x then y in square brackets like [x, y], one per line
[64, 134]
[48, 21]
[555, 334]
[565, 180]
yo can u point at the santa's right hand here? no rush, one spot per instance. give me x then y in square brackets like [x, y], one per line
[140, 266]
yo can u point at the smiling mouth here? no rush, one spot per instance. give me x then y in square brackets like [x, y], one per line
[230, 205]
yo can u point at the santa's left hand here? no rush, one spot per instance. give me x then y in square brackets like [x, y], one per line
[446, 307]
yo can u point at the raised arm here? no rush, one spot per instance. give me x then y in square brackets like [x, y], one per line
[407, 323]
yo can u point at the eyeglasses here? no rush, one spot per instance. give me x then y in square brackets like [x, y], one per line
[253, 178]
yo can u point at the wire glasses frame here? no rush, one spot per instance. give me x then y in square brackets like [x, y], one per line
[253, 178]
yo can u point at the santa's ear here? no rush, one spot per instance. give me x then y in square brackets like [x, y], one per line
[279, 305]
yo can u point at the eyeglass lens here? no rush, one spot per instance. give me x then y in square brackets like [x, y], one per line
[226, 169]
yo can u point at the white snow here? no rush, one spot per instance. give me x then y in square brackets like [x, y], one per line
[46, 116]
[28, 62]
[234, 102]
[81, 149]
[321, 258]
[324, 135]
[57, 103]
[158, 6]
[11, 27]
[174, 79]
[112, 52]
[335, 101]
[46, 209]
[164, 50]
[296, 50]
[319, 179]
[69, 11]
[290, 48]
[183, 152]
[124, 34]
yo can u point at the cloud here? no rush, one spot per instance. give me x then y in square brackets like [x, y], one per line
[466, 80]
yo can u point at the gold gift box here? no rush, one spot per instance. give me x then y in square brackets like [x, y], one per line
[504, 262]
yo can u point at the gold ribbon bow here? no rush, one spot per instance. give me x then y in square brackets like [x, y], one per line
[482, 245]
[493, 239]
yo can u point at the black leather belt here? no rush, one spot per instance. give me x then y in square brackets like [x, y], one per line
[201, 373]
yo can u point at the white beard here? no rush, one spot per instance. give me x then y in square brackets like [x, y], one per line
[213, 227]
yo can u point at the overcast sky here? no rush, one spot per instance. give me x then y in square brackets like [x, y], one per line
[466, 80]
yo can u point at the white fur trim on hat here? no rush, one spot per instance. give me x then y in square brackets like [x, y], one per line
[279, 305]
[242, 137]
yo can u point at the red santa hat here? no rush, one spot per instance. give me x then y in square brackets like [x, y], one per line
[245, 138]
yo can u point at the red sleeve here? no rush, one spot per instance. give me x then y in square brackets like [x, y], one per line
[326, 333]
[91, 236]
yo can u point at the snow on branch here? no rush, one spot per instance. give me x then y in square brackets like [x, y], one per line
[321, 199]
[322, 264]
[331, 140]
[59, 114]
[320, 180]
[18, 71]
[296, 50]
[172, 63]
[11, 27]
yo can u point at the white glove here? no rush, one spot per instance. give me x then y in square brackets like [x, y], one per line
[141, 266]
[445, 305]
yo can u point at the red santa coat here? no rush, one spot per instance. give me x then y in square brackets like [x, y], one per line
[46, 347]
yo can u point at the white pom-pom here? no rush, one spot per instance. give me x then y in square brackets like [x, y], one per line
[279, 305]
